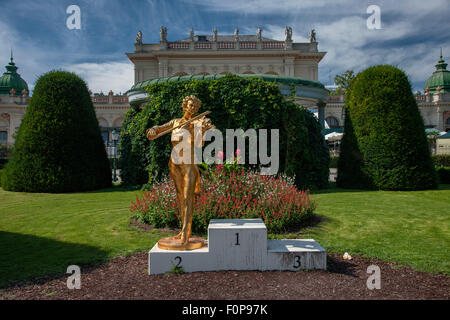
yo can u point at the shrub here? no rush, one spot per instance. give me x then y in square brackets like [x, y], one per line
[3, 163]
[228, 194]
[444, 175]
[441, 160]
[389, 132]
[334, 161]
[235, 103]
[350, 162]
[58, 146]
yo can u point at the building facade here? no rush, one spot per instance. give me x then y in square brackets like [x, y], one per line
[221, 54]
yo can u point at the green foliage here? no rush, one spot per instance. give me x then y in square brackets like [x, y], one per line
[59, 146]
[334, 161]
[444, 174]
[3, 162]
[344, 80]
[389, 149]
[350, 160]
[441, 160]
[235, 103]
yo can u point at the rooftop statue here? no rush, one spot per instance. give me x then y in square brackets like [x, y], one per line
[236, 34]
[215, 35]
[139, 37]
[312, 36]
[191, 34]
[288, 33]
[259, 34]
[163, 34]
[186, 176]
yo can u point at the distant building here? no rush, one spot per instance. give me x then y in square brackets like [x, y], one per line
[212, 56]
[14, 98]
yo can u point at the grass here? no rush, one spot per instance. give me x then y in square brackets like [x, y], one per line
[42, 234]
[409, 228]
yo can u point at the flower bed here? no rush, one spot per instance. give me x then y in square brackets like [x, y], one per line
[228, 192]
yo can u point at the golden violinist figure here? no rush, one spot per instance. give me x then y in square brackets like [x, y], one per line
[185, 174]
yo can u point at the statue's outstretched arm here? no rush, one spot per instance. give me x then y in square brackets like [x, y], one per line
[152, 132]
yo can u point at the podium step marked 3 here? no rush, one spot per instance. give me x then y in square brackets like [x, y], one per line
[241, 244]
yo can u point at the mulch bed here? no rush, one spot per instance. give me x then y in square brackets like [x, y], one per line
[127, 278]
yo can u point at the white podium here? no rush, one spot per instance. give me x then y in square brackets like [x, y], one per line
[240, 244]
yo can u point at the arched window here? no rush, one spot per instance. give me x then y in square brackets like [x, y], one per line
[332, 122]
[272, 72]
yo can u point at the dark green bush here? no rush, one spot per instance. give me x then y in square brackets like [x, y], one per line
[441, 160]
[334, 161]
[444, 174]
[350, 162]
[58, 146]
[235, 103]
[3, 163]
[389, 132]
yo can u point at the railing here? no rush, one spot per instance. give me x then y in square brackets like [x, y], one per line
[273, 45]
[226, 45]
[179, 45]
[247, 45]
[203, 45]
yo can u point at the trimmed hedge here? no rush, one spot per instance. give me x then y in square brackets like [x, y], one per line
[59, 146]
[441, 160]
[389, 145]
[444, 175]
[235, 103]
[334, 161]
[3, 163]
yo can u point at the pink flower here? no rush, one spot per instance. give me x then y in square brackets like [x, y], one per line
[238, 152]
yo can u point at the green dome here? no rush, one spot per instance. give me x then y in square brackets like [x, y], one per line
[11, 79]
[440, 78]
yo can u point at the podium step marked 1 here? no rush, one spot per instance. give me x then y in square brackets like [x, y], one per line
[240, 244]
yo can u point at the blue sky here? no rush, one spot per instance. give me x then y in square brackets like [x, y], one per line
[411, 36]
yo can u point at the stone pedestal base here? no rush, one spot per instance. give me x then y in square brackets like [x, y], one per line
[176, 244]
[240, 245]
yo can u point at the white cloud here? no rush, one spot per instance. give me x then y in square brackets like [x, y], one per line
[102, 77]
[258, 6]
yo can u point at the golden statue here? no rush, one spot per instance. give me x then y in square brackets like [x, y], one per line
[185, 175]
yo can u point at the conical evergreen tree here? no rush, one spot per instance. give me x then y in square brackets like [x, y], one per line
[389, 132]
[58, 146]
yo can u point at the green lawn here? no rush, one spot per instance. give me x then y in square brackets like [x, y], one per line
[410, 228]
[41, 234]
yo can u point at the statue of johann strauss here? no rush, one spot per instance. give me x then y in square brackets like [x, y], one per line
[185, 173]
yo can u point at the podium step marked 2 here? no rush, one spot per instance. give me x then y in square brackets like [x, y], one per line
[240, 244]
